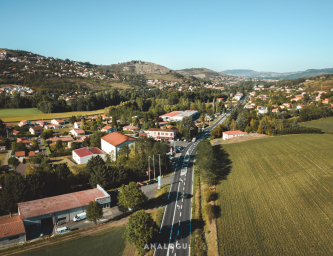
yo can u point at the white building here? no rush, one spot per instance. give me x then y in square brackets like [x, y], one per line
[112, 142]
[108, 129]
[78, 125]
[58, 121]
[232, 134]
[262, 110]
[82, 155]
[76, 132]
[161, 134]
[179, 115]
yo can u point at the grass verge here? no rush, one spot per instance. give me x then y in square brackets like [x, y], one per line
[325, 124]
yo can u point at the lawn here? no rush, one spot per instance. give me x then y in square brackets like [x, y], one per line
[3, 157]
[19, 116]
[108, 243]
[10, 112]
[277, 199]
[325, 124]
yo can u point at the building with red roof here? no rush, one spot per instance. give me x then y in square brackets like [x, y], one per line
[76, 132]
[108, 129]
[82, 155]
[12, 231]
[130, 128]
[161, 134]
[179, 115]
[49, 211]
[112, 142]
[20, 154]
[232, 134]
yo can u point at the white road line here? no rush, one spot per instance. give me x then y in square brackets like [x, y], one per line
[163, 218]
[181, 207]
[180, 214]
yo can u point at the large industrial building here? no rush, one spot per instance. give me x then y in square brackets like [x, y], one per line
[179, 115]
[38, 214]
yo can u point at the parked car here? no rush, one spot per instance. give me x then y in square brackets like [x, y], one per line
[80, 216]
[140, 183]
[185, 195]
[62, 230]
[151, 182]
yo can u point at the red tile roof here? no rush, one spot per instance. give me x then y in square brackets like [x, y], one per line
[20, 153]
[16, 132]
[234, 132]
[143, 134]
[63, 139]
[58, 203]
[116, 138]
[78, 131]
[37, 128]
[130, 127]
[160, 130]
[106, 128]
[11, 226]
[82, 152]
[31, 154]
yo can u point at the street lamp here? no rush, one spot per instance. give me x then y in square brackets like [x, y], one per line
[149, 167]
[159, 161]
[154, 166]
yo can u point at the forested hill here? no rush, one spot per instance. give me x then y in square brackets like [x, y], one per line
[274, 75]
[202, 73]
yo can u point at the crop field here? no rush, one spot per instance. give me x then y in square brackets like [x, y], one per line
[9, 112]
[277, 198]
[18, 116]
[108, 243]
[325, 124]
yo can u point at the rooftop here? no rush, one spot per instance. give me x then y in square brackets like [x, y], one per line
[82, 152]
[53, 204]
[117, 138]
[11, 226]
[234, 132]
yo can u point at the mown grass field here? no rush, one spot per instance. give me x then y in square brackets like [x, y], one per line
[325, 124]
[10, 112]
[108, 243]
[277, 199]
[16, 116]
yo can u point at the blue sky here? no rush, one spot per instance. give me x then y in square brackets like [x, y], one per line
[270, 35]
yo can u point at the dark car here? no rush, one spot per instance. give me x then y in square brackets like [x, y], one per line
[151, 182]
[185, 195]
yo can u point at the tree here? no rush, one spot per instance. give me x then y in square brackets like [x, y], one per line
[241, 122]
[13, 161]
[72, 119]
[113, 122]
[233, 125]
[260, 129]
[131, 197]
[100, 175]
[94, 211]
[48, 133]
[141, 229]
[295, 124]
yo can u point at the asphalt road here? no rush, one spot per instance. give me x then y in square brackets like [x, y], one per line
[175, 232]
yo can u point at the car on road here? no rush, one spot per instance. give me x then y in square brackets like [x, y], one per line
[185, 195]
[151, 182]
[140, 183]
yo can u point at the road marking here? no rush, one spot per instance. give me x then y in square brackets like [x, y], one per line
[181, 207]
[180, 214]
[183, 188]
[183, 200]
[184, 183]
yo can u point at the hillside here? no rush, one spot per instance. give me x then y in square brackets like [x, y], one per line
[287, 75]
[136, 67]
[202, 73]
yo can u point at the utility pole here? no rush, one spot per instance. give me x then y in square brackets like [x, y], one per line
[149, 167]
[159, 160]
[154, 166]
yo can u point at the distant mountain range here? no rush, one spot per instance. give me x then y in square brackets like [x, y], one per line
[274, 75]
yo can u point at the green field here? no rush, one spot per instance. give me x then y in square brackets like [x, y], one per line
[277, 199]
[108, 243]
[8, 112]
[325, 124]
[17, 115]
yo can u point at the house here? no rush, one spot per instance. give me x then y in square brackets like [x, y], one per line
[108, 129]
[24, 123]
[20, 154]
[262, 110]
[76, 132]
[12, 231]
[52, 126]
[130, 128]
[36, 130]
[15, 132]
[275, 110]
[2, 148]
[58, 121]
[83, 155]
[161, 134]
[41, 123]
[112, 142]
[143, 134]
[77, 125]
[8, 127]
[63, 139]
[232, 134]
